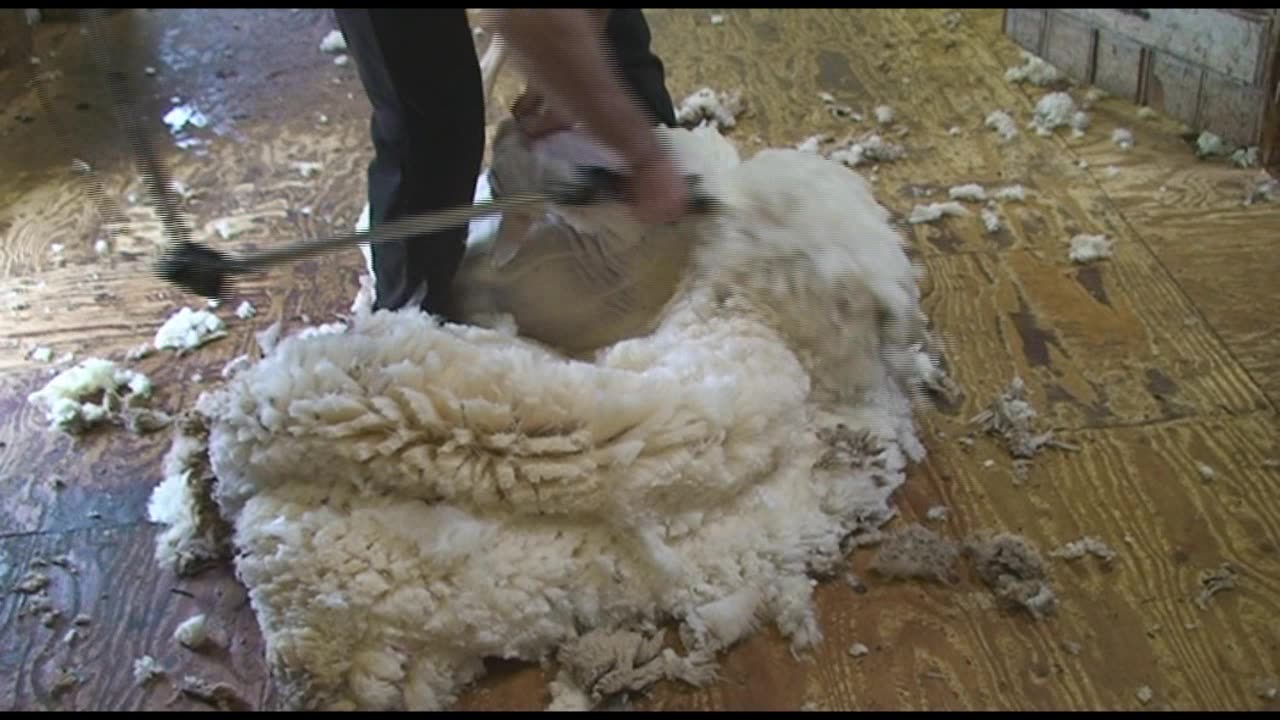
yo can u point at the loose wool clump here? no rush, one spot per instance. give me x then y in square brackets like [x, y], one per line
[1053, 111]
[990, 219]
[972, 192]
[1033, 70]
[935, 211]
[188, 329]
[1210, 145]
[869, 148]
[193, 633]
[1089, 248]
[407, 499]
[1002, 123]
[97, 391]
[708, 107]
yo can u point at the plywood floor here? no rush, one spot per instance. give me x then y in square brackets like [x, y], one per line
[1157, 360]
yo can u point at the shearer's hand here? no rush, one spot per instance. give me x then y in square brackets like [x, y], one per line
[563, 54]
[658, 192]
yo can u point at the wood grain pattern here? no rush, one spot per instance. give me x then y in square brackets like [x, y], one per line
[1090, 353]
[1225, 262]
[939, 648]
[1188, 212]
[108, 474]
[132, 611]
[1154, 361]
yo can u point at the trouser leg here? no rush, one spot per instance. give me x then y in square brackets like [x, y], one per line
[642, 70]
[420, 71]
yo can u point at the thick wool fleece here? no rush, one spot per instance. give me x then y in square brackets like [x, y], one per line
[408, 498]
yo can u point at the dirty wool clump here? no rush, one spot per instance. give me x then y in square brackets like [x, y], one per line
[408, 498]
[146, 669]
[1264, 188]
[188, 329]
[35, 585]
[1012, 193]
[603, 664]
[935, 211]
[990, 219]
[1053, 111]
[1033, 70]
[813, 143]
[1089, 248]
[1011, 418]
[31, 583]
[837, 109]
[333, 43]
[196, 536]
[65, 681]
[97, 391]
[1245, 157]
[1210, 145]
[1015, 572]
[916, 552]
[1080, 122]
[971, 192]
[219, 696]
[709, 107]
[193, 633]
[1087, 545]
[1002, 124]
[1212, 582]
[869, 148]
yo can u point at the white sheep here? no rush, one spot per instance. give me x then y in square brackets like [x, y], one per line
[409, 498]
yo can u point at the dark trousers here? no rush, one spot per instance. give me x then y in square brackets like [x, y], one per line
[420, 71]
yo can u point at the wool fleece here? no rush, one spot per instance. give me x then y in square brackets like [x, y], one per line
[406, 498]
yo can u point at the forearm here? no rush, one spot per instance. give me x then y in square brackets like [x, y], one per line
[564, 55]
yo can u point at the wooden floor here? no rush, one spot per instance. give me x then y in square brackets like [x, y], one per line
[1162, 358]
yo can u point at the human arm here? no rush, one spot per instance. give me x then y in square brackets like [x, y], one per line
[563, 53]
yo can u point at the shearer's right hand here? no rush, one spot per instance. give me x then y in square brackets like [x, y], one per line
[658, 192]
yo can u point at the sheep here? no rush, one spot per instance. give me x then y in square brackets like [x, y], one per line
[689, 420]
